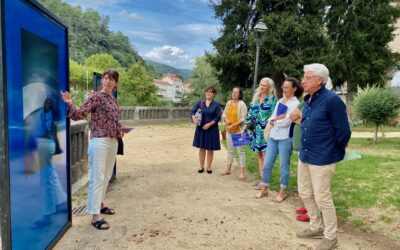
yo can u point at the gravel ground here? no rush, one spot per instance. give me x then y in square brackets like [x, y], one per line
[161, 202]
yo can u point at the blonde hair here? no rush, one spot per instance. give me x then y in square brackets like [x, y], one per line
[271, 89]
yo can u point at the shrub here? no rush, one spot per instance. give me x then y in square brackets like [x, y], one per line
[78, 96]
[355, 122]
[376, 105]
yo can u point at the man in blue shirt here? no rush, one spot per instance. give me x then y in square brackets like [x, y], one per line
[325, 133]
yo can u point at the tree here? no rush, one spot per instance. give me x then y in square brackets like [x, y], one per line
[77, 75]
[233, 60]
[120, 48]
[89, 34]
[136, 87]
[101, 62]
[376, 105]
[350, 37]
[286, 46]
[360, 32]
[203, 75]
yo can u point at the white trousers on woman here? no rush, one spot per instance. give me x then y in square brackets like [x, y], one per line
[49, 181]
[102, 154]
[240, 151]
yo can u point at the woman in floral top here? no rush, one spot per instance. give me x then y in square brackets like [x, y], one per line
[104, 130]
[261, 109]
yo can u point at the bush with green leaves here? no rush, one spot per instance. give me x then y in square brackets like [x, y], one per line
[376, 106]
[78, 96]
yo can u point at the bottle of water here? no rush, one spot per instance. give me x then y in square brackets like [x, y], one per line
[198, 116]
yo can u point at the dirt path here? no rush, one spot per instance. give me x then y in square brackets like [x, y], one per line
[371, 135]
[163, 203]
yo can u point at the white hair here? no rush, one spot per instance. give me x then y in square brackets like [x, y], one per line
[319, 70]
[329, 84]
[271, 89]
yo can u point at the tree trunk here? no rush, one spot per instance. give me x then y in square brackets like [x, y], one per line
[376, 133]
[351, 93]
[278, 78]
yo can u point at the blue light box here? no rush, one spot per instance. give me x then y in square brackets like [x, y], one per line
[37, 206]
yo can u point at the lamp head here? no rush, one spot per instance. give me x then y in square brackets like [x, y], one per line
[260, 27]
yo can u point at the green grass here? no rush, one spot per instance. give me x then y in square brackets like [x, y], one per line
[386, 219]
[372, 181]
[362, 225]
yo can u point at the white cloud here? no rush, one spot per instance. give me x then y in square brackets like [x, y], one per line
[170, 55]
[126, 15]
[197, 29]
[143, 35]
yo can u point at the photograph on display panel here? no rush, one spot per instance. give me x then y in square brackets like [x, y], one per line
[41, 119]
[41, 102]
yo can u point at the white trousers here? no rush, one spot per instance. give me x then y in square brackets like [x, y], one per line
[49, 181]
[230, 148]
[102, 154]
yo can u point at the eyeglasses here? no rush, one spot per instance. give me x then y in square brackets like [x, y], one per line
[107, 78]
[306, 78]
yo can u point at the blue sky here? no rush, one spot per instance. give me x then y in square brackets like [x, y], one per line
[173, 32]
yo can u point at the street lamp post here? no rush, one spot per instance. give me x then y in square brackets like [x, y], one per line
[258, 30]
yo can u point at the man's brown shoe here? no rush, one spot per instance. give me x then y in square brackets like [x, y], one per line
[327, 244]
[308, 233]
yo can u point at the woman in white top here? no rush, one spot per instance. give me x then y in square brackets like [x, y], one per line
[280, 139]
[234, 115]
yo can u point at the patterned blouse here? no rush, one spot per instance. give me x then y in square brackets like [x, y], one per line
[260, 113]
[104, 120]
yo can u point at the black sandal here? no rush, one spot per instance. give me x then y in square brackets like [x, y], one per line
[201, 170]
[107, 210]
[98, 224]
[209, 171]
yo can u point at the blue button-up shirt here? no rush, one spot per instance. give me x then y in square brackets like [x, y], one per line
[325, 128]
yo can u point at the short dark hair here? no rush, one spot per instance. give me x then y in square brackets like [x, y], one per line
[295, 84]
[111, 73]
[50, 101]
[240, 92]
[213, 90]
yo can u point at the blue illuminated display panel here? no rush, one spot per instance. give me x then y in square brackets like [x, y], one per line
[36, 69]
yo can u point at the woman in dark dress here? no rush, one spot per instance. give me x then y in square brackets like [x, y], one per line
[205, 115]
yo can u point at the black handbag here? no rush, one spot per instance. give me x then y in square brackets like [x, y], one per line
[251, 126]
[120, 150]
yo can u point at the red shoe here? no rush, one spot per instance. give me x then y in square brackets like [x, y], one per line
[303, 217]
[301, 210]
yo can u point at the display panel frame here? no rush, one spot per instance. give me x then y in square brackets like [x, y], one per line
[11, 59]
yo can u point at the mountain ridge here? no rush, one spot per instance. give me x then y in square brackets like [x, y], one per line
[162, 68]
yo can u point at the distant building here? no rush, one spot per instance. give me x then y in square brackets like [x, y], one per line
[170, 87]
[165, 90]
[177, 82]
